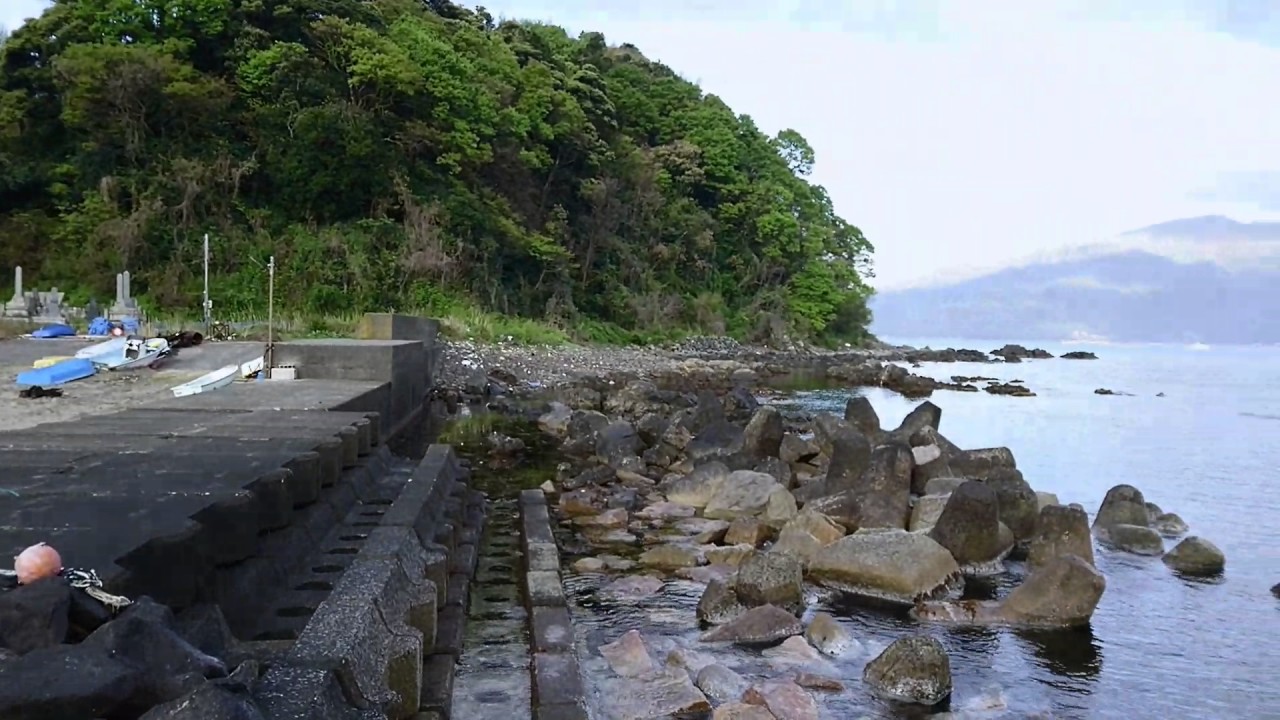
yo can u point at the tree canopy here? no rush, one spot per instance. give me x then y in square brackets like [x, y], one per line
[402, 154]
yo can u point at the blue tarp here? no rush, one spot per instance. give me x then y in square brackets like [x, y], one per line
[100, 327]
[54, 331]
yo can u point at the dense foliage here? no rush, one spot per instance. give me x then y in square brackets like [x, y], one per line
[405, 154]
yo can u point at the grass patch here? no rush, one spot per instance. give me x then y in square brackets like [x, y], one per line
[14, 328]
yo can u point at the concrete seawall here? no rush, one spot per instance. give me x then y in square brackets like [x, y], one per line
[279, 509]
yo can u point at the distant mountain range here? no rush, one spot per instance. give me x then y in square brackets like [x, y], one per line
[1207, 279]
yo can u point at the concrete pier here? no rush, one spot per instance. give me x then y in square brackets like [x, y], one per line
[279, 503]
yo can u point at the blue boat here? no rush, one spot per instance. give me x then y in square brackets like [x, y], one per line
[54, 331]
[57, 374]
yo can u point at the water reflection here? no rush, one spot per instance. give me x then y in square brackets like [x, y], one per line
[1074, 653]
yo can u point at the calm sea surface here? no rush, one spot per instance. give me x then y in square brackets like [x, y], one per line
[1159, 646]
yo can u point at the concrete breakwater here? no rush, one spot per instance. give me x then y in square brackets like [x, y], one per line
[281, 559]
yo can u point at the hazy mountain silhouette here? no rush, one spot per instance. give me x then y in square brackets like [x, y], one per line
[1208, 279]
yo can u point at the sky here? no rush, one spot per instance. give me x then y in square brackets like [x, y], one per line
[964, 135]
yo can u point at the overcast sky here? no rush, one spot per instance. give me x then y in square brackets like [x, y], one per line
[965, 134]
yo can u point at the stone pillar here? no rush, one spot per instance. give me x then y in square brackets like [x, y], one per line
[124, 305]
[17, 306]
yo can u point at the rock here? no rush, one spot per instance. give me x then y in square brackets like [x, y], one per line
[731, 555]
[1019, 506]
[911, 670]
[1170, 525]
[1196, 556]
[1063, 592]
[943, 485]
[721, 684]
[930, 464]
[747, 530]
[843, 508]
[629, 655]
[1123, 505]
[696, 489]
[859, 413]
[702, 530]
[1275, 590]
[794, 651]
[969, 528]
[588, 565]
[883, 492]
[744, 492]
[742, 711]
[762, 438]
[785, 699]
[618, 439]
[36, 615]
[204, 626]
[926, 511]
[1045, 499]
[825, 634]
[778, 469]
[207, 702]
[609, 519]
[811, 681]
[1136, 539]
[719, 603]
[706, 573]
[144, 636]
[584, 427]
[555, 421]
[770, 578]
[664, 511]
[893, 566]
[780, 509]
[763, 625]
[978, 464]
[806, 533]
[67, 681]
[673, 555]
[719, 441]
[825, 427]
[668, 692]
[795, 449]
[850, 457]
[634, 586]
[677, 437]
[1060, 531]
[689, 659]
[583, 502]
[926, 414]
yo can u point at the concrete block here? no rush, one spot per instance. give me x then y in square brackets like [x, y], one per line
[561, 711]
[289, 692]
[394, 326]
[536, 525]
[543, 588]
[557, 679]
[450, 631]
[437, 683]
[552, 629]
[542, 556]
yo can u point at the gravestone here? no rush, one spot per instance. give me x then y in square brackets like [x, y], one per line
[17, 306]
[92, 311]
[50, 307]
[124, 306]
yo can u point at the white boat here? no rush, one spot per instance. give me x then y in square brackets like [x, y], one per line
[252, 367]
[107, 347]
[136, 353]
[208, 382]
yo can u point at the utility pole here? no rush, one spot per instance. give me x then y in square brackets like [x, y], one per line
[207, 305]
[271, 313]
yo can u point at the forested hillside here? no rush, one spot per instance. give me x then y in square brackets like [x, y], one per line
[405, 154]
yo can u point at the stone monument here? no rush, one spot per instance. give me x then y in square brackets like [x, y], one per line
[50, 308]
[17, 306]
[124, 306]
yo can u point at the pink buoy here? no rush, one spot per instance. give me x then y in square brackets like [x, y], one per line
[36, 563]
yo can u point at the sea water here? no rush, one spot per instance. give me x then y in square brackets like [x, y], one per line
[1199, 435]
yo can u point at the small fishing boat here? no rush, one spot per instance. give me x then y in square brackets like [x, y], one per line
[252, 367]
[57, 374]
[45, 362]
[208, 382]
[106, 347]
[137, 353]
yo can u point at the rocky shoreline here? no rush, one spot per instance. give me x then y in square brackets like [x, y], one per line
[770, 511]
[483, 370]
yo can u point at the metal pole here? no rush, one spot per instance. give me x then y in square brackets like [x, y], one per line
[270, 315]
[208, 307]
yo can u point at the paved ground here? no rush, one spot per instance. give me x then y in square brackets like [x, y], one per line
[107, 391]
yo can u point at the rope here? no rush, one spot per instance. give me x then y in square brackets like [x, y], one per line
[88, 581]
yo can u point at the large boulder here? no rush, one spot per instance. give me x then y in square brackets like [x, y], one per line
[762, 438]
[806, 533]
[926, 510]
[1061, 530]
[924, 415]
[893, 566]
[1123, 505]
[978, 464]
[930, 464]
[771, 578]
[913, 670]
[746, 492]
[721, 441]
[1062, 593]
[850, 459]
[763, 625]
[859, 413]
[1135, 539]
[1196, 556]
[883, 491]
[697, 488]
[1019, 506]
[969, 527]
